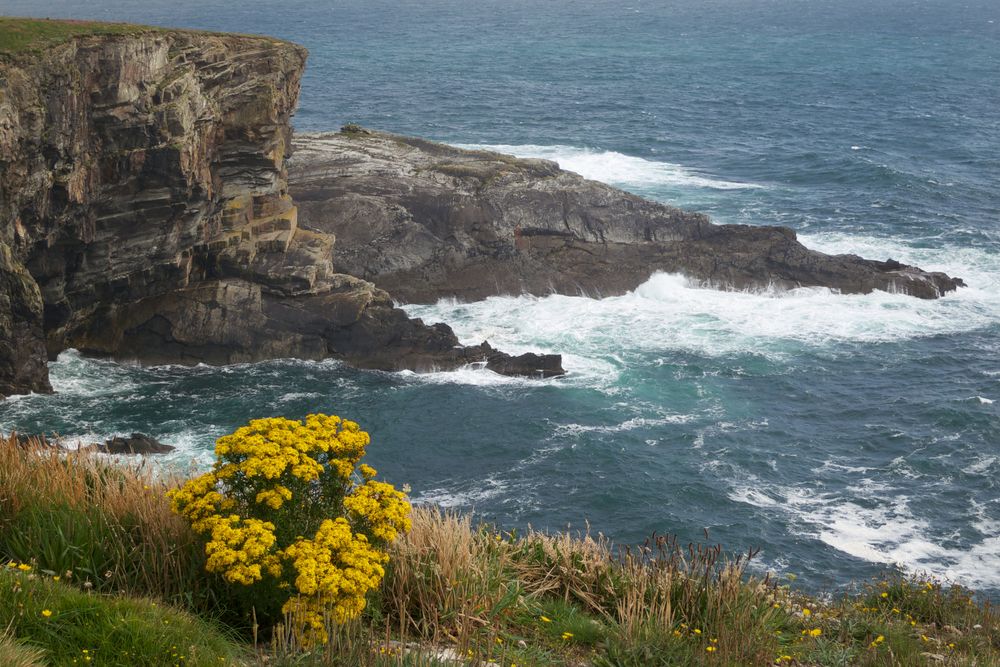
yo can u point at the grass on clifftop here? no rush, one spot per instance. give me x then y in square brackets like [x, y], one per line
[455, 593]
[19, 35]
[72, 626]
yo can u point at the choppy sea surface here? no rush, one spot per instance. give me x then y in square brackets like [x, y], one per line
[841, 434]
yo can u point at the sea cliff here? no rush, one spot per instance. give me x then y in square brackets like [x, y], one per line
[145, 214]
[150, 211]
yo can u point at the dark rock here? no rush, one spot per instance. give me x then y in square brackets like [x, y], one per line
[144, 215]
[528, 364]
[137, 443]
[441, 222]
[35, 440]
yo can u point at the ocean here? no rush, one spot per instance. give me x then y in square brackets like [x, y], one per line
[842, 435]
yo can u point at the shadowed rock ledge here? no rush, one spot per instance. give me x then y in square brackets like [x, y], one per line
[144, 214]
[424, 220]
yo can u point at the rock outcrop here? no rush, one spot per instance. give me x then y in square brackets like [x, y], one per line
[423, 221]
[137, 443]
[144, 214]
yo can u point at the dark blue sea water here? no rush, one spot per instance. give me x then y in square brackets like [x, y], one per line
[841, 434]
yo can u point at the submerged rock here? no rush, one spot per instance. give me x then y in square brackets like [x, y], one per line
[424, 220]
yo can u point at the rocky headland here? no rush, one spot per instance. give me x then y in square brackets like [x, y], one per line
[424, 220]
[150, 211]
[145, 213]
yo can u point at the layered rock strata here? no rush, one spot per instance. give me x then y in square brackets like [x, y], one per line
[424, 220]
[145, 214]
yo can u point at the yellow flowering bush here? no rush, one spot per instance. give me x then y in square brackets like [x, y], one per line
[289, 516]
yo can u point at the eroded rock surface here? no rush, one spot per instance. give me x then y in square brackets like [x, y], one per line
[144, 214]
[423, 221]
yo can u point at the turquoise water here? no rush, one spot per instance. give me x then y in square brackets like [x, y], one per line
[841, 434]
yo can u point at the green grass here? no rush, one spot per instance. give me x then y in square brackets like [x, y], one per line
[71, 626]
[530, 600]
[19, 35]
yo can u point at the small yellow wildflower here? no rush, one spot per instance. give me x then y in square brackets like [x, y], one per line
[815, 632]
[46, 613]
[806, 611]
[567, 635]
[697, 631]
[545, 619]
[885, 594]
[710, 649]
[24, 567]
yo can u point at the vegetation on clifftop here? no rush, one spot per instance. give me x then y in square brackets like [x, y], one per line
[93, 541]
[18, 35]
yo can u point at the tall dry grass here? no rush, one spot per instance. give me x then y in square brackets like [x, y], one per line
[533, 599]
[105, 524]
[446, 579]
[16, 654]
[451, 579]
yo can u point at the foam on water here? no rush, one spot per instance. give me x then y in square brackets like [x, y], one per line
[875, 523]
[668, 312]
[615, 168]
[574, 430]
[449, 498]
[75, 374]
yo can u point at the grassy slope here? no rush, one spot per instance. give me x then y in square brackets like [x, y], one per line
[20, 35]
[531, 599]
[77, 627]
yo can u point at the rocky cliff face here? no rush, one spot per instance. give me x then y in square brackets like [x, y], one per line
[144, 214]
[424, 221]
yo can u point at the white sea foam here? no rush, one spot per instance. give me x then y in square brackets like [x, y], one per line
[573, 430]
[982, 466]
[881, 528]
[193, 453]
[298, 395]
[76, 375]
[617, 168]
[450, 498]
[669, 313]
[984, 401]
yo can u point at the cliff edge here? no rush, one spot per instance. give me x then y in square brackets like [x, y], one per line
[145, 213]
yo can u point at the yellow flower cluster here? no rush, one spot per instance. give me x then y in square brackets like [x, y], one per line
[277, 478]
[334, 572]
[381, 507]
[240, 548]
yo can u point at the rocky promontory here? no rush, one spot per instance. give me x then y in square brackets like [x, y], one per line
[150, 211]
[145, 213]
[424, 220]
